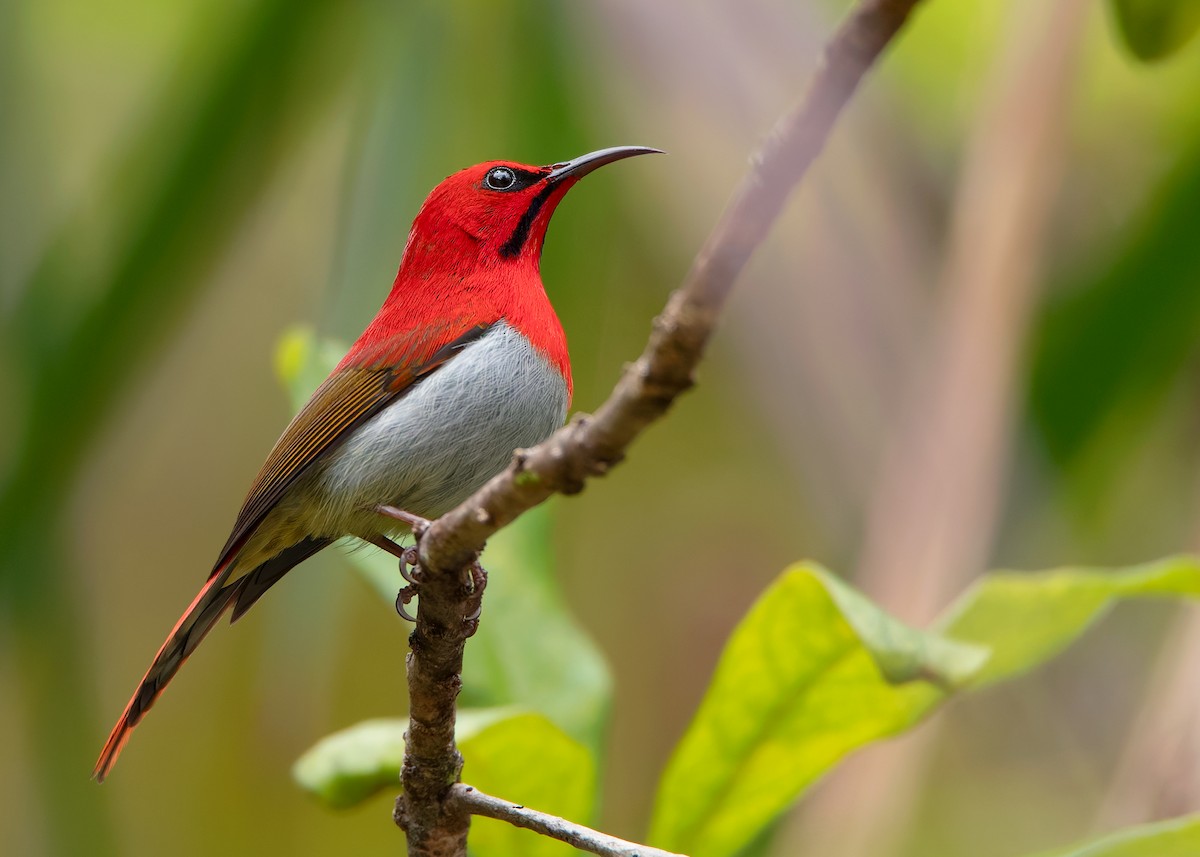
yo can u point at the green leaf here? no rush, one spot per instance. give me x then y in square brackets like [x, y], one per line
[526, 759]
[815, 671]
[901, 653]
[1154, 29]
[1026, 619]
[1179, 837]
[347, 767]
[812, 672]
[519, 756]
[528, 650]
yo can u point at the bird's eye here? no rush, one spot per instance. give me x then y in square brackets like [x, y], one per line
[500, 178]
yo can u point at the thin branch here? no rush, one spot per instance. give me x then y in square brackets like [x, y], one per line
[469, 799]
[589, 446]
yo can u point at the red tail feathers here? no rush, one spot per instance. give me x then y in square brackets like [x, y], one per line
[196, 621]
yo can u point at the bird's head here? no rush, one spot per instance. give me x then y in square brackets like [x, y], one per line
[496, 213]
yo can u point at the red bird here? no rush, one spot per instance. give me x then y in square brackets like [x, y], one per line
[465, 362]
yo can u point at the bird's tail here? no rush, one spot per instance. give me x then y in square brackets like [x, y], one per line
[208, 606]
[204, 611]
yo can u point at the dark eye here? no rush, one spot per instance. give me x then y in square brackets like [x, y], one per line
[500, 178]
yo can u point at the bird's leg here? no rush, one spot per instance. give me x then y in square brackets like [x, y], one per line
[407, 557]
[477, 575]
[415, 522]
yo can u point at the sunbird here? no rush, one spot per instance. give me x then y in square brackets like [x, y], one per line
[465, 361]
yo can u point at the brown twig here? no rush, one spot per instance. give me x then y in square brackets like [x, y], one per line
[589, 446]
[470, 800]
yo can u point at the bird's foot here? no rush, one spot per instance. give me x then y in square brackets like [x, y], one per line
[410, 558]
[478, 583]
[475, 584]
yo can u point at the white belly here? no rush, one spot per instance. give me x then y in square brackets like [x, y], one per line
[443, 439]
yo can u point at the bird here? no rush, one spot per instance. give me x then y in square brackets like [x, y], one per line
[465, 362]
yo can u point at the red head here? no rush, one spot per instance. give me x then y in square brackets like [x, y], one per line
[472, 258]
[496, 213]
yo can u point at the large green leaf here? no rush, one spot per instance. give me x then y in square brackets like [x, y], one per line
[815, 671]
[800, 684]
[1154, 29]
[1179, 837]
[528, 650]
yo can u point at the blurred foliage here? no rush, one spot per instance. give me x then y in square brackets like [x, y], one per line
[178, 182]
[1025, 619]
[1110, 349]
[531, 652]
[1154, 29]
[77, 331]
[1174, 838]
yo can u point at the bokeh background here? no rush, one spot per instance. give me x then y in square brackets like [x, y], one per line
[971, 342]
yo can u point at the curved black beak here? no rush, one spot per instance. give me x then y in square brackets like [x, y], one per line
[584, 164]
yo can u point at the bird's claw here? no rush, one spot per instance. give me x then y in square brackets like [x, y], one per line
[477, 583]
[474, 585]
[404, 596]
[411, 559]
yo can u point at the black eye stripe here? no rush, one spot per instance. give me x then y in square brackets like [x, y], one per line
[512, 247]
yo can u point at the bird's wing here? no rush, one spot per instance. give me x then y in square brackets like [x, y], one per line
[352, 394]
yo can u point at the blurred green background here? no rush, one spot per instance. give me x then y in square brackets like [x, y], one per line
[971, 342]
